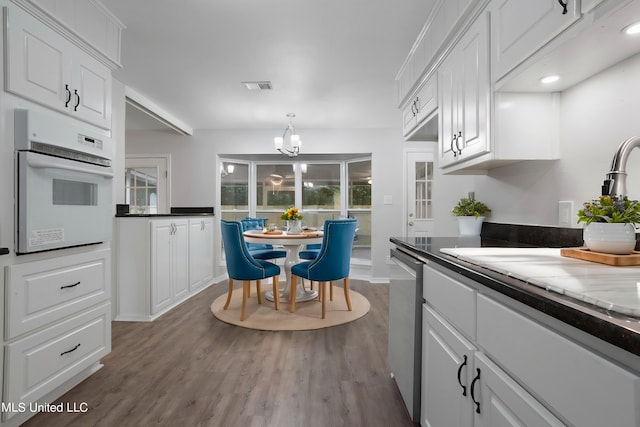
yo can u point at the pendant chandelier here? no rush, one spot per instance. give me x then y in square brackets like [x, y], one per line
[294, 141]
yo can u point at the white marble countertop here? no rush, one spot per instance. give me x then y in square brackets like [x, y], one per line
[612, 288]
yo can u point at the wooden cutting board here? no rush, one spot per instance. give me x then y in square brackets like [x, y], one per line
[602, 258]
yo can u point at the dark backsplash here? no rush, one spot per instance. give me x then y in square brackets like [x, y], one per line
[534, 235]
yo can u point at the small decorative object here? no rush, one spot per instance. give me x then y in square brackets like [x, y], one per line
[470, 213]
[610, 224]
[293, 220]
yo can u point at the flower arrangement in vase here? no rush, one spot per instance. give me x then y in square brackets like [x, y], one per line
[471, 213]
[293, 220]
[610, 224]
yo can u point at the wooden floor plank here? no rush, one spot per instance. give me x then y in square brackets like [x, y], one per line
[189, 369]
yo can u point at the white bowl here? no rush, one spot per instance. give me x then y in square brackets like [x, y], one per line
[610, 238]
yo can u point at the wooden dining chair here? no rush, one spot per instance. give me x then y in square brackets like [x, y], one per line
[241, 265]
[332, 263]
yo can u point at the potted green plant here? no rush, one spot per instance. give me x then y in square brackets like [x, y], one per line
[610, 224]
[471, 214]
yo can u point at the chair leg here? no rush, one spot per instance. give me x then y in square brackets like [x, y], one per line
[292, 295]
[245, 295]
[276, 292]
[331, 291]
[346, 293]
[324, 297]
[259, 290]
[226, 305]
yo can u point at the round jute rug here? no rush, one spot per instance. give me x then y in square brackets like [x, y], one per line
[308, 314]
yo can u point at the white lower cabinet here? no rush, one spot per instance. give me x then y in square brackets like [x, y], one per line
[516, 371]
[200, 252]
[447, 371]
[499, 401]
[161, 262]
[57, 326]
[169, 262]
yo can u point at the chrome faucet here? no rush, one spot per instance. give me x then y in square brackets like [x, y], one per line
[615, 184]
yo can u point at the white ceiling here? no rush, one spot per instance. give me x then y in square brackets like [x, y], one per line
[331, 62]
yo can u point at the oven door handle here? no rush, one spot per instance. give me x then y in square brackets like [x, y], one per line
[46, 163]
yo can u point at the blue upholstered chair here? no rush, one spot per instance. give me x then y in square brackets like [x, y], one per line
[259, 251]
[242, 266]
[310, 252]
[332, 263]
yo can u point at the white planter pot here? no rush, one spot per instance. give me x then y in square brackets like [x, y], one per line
[610, 238]
[470, 225]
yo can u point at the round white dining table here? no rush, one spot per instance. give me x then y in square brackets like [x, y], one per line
[292, 244]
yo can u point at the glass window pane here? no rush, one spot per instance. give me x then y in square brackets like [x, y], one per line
[275, 186]
[234, 186]
[421, 170]
[321, 187]
[359, 184]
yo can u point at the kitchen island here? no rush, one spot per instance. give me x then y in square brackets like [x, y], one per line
[496, 347]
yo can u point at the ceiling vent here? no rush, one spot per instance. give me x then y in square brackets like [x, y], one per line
[258, 85]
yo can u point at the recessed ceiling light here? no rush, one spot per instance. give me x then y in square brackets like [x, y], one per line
[632, 29]
[549, 79]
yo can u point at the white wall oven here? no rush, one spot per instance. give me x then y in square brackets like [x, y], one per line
[63, 183]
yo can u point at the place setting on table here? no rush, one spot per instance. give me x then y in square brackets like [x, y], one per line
[304, 258]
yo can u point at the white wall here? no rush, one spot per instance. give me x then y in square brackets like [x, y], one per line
[195, 175]
[596, 116]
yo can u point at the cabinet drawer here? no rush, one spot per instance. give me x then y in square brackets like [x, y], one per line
[39, 363]
[586, 389]
[46, 291]
[452, 299]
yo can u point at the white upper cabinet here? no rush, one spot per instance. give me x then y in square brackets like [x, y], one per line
[520, 27]
[421, 107]
[88, 19]
[434, 39]
[464, 96]
[45, 67]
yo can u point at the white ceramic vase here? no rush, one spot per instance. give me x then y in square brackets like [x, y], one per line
[470, 225]
[610, 238]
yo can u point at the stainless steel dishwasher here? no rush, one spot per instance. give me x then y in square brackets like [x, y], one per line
[405, 327]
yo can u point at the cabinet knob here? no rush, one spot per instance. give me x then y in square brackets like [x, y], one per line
[473, 388]
[68, 100]
[75, 107]
[462, 365]
[455, 152]
[564, 6]
[410, 223]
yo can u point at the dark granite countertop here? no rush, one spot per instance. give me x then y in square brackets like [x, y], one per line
[127, 215]
[4, 251]
[619, 330]
[123, 212]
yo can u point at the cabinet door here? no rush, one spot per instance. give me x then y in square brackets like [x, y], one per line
[91, 99]
[200, 252]
[161, 262]
[520, 27]
[474, 89]
[38, 64]
[500, 401]
[409, 121]
[464, 91]
[448, 114]
[447, 368]
[180, 258]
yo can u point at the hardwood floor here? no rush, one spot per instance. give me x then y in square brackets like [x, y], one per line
[187, 368]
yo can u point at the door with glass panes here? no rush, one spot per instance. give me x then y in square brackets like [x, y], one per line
[419, 201]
